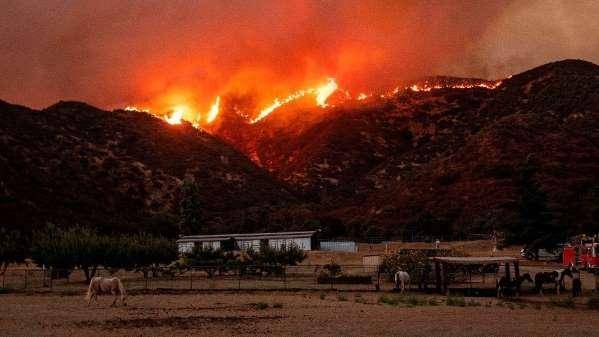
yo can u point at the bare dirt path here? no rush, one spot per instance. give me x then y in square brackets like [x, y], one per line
[287, 314]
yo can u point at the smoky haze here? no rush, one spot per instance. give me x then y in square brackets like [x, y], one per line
[115, 53]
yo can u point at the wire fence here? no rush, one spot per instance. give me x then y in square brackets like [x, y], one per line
[348, 277]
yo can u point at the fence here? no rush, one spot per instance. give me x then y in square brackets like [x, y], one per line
[349, 277]
[338, 246]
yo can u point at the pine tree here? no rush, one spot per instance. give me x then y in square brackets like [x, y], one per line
[190, 215]
[537, 227]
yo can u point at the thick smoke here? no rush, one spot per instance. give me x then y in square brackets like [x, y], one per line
[114, 53]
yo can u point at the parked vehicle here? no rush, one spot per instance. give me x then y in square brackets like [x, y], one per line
[584, 255]
[543, 254]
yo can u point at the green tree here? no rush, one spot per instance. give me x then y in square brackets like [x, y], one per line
[189, 208]
[12, 249]
[146, 253]
[66, 249]
[271, 260]
[211, 260]
[79, 247]
[538, 227]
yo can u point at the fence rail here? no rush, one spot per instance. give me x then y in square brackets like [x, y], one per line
[357, 277]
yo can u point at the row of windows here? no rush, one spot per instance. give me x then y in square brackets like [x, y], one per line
[304, 244]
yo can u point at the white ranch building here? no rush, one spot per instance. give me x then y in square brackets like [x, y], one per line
[302, 240]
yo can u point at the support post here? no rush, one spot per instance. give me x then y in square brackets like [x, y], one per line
[517, 276]
[445, 278]
[378, 277]
[507, 272]
[438, 276]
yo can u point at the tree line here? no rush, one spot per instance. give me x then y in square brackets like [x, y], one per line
[86, 249]
[65, 249]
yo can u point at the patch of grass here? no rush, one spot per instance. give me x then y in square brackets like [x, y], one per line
[455, 301]
[360, 300]
[593, 302]
[410, 300]
[261, 305]
[323, 296]
[388, 299]
[341, 297]
[433, 301]
[473, 303]
[413, 300]
[563, 303]
[277, 305]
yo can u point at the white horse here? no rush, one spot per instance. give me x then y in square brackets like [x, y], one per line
[101, 285]
[402, 279]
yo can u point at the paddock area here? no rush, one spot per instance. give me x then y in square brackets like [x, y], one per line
[303, 313]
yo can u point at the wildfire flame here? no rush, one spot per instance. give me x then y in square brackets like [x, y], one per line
[134, 108]
[177, 114]
[362, 96]
[214, 109]
[428, 87]
[322, 94]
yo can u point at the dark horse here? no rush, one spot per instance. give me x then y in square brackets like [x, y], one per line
[555, 277]
[504, 284]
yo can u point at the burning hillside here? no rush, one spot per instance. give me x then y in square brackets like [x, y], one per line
[309, 98]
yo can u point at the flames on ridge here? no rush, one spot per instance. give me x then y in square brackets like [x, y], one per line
[187, 112]
[322, 93]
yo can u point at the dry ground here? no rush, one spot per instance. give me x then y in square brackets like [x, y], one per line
[287, 314]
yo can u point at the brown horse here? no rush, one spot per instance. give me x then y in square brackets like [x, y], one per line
[101, 286]
[504, 284]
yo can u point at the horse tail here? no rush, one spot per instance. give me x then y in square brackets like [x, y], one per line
[122, 290]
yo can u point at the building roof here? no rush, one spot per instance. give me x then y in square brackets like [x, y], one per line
[247, 236]
[474, 259]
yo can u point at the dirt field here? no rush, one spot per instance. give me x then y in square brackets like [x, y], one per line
[287, 314]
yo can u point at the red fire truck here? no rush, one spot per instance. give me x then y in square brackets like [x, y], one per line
[582, 253]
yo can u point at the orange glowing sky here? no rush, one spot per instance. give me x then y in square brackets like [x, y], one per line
[169, 55]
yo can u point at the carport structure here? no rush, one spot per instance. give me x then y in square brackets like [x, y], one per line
[442, 266]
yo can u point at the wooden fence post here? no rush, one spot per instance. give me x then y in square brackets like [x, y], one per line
[445, 278]
[438, 276]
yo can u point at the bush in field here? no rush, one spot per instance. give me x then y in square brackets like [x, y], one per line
[455, 301]
[272, 260]
[210, 260]
[332, 269]
[11, 249]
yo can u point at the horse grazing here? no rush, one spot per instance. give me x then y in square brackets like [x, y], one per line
[504, 284]
[402, 280]
[555, 277]
[101, 285]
